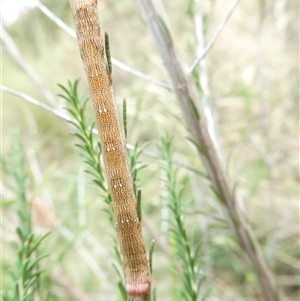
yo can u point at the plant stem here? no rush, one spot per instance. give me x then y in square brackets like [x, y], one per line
[194, 117]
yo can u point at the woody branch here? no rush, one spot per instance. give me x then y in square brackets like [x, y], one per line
[190, 106]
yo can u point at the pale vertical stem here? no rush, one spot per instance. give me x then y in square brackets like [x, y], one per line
[264, 116]
[204, 80]
[261, 69]
[215, 36]
[194, 117]
[128, 226]
[164, 211]
[205, 95]
[81, 199]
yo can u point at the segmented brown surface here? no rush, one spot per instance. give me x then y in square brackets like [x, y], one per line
[128, 227]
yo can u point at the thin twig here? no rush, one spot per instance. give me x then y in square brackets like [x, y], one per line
[141, 74]
[214, 37]
[117, 63]
[67, 117]
[35, 78]
[48, 13]
[35, 102]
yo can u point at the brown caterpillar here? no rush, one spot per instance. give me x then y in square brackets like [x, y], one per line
[128, 226]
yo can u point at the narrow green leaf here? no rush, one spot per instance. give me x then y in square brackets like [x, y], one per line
[166, 31]
[38, 241]
[139, 205]
[151, 255]
[107, 51]
[195, 110]
[125, 118]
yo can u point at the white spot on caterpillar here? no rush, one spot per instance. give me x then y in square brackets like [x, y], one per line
[115, 186]
[122, 222]
[127, 221]
[108, 149]
[120, 185]
[102, 111]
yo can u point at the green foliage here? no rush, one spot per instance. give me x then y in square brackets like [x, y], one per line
[196, 113]
[91, 156]
[248, 100]
[125, 117]
[166, 31]
[257, 172]
[24, 281]
[186, 254]
[139, 204]
[189, 8]
[90, 152]
[150, 256]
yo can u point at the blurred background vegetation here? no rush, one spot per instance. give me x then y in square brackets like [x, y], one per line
[253, 82]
